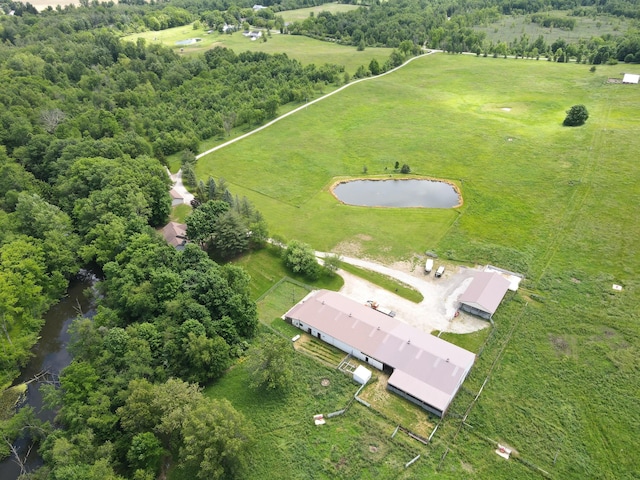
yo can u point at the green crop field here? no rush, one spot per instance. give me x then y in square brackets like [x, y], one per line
[304, 49]
[557, 204]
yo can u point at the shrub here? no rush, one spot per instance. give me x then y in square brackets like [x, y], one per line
[576, 116]
[405, 169]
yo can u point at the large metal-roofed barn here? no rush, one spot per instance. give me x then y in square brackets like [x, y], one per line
[426, 370]
[484, 294]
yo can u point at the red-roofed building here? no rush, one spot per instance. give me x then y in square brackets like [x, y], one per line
[425, 369]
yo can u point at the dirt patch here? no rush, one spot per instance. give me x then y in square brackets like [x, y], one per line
[373, 449]
[349, 248]
[466, 466]
[560, 344]
[575, 280]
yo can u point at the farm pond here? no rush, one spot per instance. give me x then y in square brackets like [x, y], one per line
[398, 193]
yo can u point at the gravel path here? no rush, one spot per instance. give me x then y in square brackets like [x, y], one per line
[435, 312]
[179, 187]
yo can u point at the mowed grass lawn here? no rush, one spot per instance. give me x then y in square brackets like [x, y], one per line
[304, 49]
[557, 204]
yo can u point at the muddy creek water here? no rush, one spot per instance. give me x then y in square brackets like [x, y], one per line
[50, 354]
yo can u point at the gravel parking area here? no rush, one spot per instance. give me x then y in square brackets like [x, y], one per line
[435, 312]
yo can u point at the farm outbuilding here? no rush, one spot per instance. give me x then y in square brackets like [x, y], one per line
[362, 375]
[631, 78]
[425, 369]
[484, 294]
[175, 234]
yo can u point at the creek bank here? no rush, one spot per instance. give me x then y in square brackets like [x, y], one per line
[49, 355]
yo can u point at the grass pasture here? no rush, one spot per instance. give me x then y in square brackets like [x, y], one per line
[303, 13]
[560, 369]
[512, 27]
[304, 49]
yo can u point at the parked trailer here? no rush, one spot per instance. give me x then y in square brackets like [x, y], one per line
[376, 306]
[428, 266]
[440, 271]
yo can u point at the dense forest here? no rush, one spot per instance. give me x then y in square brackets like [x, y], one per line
[86, 122]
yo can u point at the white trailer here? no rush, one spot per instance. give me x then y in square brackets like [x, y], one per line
[428, 266]
[440, 271]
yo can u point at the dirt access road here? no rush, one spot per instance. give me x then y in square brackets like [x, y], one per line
[435, 312]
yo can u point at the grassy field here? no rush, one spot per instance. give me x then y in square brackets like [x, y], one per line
[512, 27]
[302, 13]
[304, 49]
[560, 369]
[354, 445]
[266, 268]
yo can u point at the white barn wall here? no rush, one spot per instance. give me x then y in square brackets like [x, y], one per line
[338, 344]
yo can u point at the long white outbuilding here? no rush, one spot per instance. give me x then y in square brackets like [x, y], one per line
[424, 369]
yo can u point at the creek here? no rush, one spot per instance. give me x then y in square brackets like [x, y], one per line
[50, 354]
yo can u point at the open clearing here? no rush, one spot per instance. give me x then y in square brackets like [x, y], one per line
[559, 370]
[304, 49]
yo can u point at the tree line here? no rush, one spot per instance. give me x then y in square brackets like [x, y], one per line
[450, 27]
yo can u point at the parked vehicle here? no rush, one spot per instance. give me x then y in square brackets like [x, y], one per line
[428, 266]
[440, 271]
[376, 306]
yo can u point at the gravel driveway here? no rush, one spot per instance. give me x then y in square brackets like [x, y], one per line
[435, 312]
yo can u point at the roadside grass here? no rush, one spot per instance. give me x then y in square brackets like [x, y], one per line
[304, 49]
[383, 281]
[512, 27]
[303, 13]
[559, 370]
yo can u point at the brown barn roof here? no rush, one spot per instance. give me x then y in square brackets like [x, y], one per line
[426, 366]
[486, 291]
[174, 233]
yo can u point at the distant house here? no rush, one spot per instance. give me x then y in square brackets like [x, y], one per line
[484, 294]
[175, 234]
[631, 78]
[425, 369]
[257, 7]
[176, 197]
[253, 34]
